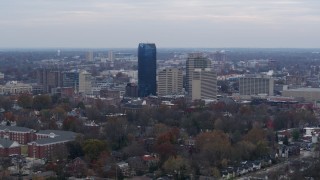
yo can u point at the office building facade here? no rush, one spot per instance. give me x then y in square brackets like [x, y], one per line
[204, 84]
[194, 61]
[254, 85]
[170, 82]
[85, 83]
[49, 78]
[70, 79]
[147, 67]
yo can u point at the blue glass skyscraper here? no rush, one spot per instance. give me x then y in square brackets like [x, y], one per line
[147, 67]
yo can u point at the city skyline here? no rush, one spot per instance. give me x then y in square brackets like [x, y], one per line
[175, 23]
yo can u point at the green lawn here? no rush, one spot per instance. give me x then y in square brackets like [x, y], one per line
[24, 150]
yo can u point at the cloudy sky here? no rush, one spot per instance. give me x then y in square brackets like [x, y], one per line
[168, 23]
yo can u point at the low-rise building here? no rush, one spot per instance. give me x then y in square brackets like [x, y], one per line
[15, 133]
[308, 94]
[49, 143]
[151, 160]
[8, 147]
[124, 168]
[133, 106]
[41, 144]
[77, 167]
[131, 90]
[111, 94]
[15, 87]
[254, 85]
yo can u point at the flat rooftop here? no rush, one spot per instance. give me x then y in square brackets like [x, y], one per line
[305, 89]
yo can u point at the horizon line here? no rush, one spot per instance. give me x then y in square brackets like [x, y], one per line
[92, 48]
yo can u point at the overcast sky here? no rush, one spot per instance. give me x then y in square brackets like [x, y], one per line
[168, 23]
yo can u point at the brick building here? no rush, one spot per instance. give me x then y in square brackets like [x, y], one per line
[8, 147]
[41, 144]
[49, 143]
[20, 134]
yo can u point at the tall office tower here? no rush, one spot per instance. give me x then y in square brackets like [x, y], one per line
[195, 61]
[170, 81]
[147, 67]
[89, 56]
[110, 56]
[253, 85]
[204, 84]
[85, 84]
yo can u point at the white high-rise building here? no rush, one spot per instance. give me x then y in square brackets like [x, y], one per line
[204, 84]
[170, 81]
[85, 84]
[195, 61]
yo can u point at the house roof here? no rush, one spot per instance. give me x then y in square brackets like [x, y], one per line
[122, 165]
[55, 136]
[149, 158]
[56, 132]
[15, 128]
[6, 143]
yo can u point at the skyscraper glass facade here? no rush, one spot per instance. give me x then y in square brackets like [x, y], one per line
[147, 67]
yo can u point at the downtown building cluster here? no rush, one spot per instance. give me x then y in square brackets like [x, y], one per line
[150, 80]
[200, 79]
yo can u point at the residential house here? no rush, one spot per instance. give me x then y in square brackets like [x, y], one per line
[283, 151]
[124, 168]
[137, 164]
[256, 165]
[151, 160]
[77, 167]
